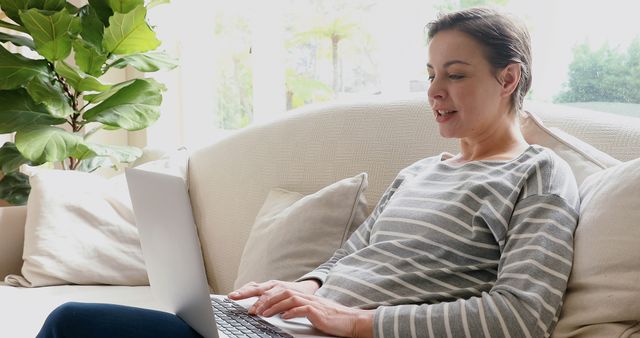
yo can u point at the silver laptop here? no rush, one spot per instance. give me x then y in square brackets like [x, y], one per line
[174, 263]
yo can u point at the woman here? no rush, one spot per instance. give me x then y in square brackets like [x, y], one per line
[478, 243]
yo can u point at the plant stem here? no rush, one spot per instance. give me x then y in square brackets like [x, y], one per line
[74, 122]
[73, 97]
[85, 106]
[11, 26]
[76, 126]
[76, 117]
[108, 64]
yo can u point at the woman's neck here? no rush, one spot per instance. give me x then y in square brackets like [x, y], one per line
[504, 142]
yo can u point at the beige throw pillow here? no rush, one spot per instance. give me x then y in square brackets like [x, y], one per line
[293, 234]
[583, 158]
[603, 294]
[80, 228]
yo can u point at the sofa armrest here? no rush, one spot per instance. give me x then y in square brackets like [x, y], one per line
[12, 220]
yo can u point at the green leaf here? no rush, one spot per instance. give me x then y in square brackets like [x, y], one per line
[50, 93]
[111, 128]
[16, 70]
[12, 7]
[78, 80]
[70, 75]
[11, 159]
[13, 27]
[122, 154]
[92, 84]
[15, 188]
[52, 33]
[99, 97]
[18, 111]
[102, 9]
[48, 144]
[124, 6]
[17, 40]
[92, 27]
[154, 3]
[129, 33]
[133, 107]
[48, 5]
[92, 164]
[71, 8]
[147, 62]
[88, 58]
[91, 98]
[108, 156]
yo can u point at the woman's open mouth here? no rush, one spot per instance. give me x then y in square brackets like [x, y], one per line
[444, 115]
[445, 112]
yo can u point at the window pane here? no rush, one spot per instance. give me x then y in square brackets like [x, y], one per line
[234, 68]
[355, 48]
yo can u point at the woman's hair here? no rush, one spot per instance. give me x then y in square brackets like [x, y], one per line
[506, 41]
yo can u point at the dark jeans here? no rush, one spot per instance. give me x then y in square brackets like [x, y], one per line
[84, 320]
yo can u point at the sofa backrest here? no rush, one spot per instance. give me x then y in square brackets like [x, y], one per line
[318, 145]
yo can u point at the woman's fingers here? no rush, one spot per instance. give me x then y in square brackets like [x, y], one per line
[274, 301]
[330, 318]
[302, 311]
[251, 289]
[281, 302]
[326, 315]
[274, 296]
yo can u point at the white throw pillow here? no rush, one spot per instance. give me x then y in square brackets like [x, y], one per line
[80, 228]
[293, 234]
[583, 158]
[603, 294]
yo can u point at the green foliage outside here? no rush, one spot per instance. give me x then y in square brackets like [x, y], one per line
[53, 106]
[329, 53]
[234, 78]
[603, 75]
[316, 33]
[327, 32]
[303, 89]
[453, 5]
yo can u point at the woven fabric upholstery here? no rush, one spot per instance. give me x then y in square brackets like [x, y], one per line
[616, 135]
[316, 146]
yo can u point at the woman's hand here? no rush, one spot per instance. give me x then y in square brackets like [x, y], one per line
[326, 315]
[296, 299]
[330, 317]
[253, 289]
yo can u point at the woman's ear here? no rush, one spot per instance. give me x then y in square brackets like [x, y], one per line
[509, 78]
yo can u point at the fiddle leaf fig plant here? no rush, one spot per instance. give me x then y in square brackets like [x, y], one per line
[53, 98]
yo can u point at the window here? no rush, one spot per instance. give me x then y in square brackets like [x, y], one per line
[246, 61]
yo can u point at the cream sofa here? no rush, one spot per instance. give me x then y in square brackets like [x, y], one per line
[302, 152]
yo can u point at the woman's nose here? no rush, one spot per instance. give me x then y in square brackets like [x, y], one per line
[435, 91]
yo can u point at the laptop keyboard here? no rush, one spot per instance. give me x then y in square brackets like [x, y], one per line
[235, 321]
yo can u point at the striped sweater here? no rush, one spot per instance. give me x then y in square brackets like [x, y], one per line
[469, 250]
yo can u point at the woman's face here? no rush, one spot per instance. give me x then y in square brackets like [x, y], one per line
[466, 98]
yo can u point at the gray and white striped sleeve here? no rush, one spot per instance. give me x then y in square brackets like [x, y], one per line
[532, 276]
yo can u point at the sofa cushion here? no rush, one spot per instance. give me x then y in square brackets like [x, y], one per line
[293, 234]
[583, 158]
[23, 311]
[80, 228]
[603, 294]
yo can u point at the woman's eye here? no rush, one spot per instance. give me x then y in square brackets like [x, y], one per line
[431, 77]
[456, 76]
